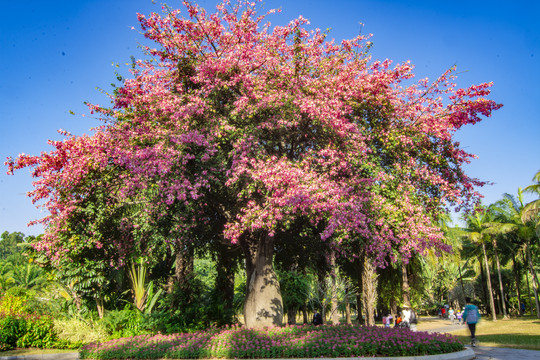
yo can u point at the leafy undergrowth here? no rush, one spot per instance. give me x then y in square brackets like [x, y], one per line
[287, 342]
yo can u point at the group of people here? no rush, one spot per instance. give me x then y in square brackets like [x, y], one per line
[455, 316]
[407, 319]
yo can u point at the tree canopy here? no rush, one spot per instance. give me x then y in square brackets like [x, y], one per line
[248, 130]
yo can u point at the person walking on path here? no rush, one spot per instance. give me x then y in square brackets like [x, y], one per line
[451, 315]
[471, 316]
[406, 317]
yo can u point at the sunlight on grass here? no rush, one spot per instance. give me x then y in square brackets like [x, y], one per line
[513, 333]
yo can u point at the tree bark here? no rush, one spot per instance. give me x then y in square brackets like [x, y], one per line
[405, 285]
[501, 287]
[528, 285]
[291, 316]
[224, 283]
[516, 279]
[484, 281]
[348, 319]
[369, 295]
[490, 288]
[334, 314]
[304, 314]
[359, 297]
[461, 282]
[359, 308]
[100, 307]
[321, 293]
[264, 305]
[534, 281]
[184, 262]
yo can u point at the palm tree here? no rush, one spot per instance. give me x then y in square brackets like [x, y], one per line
[531, 215]
[477, 233]
[532, 210]
[29, 276]
[516, 225]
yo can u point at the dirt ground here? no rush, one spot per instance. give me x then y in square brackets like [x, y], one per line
[434, 324]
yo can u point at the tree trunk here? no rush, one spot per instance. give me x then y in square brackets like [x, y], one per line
[224, 283]
[322, 288]
[405, 285]
[100, 307]
[359, 307]
[461, 283]
[490, 288]
[291, 316]
[528, 285]
[369, 295]
[393, 309]
[348, 319]
[184, 262]
[516, 279]
[501, 287]
[264, 305]
[484, 281]
[534, 281]
[334, 314]
[304, 314]
[359, 299]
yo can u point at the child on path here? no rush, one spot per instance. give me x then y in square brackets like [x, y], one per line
[451, 315]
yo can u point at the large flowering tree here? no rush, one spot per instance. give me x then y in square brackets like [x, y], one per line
[257, 129]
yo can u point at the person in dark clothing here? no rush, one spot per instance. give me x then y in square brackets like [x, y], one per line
[317, 319]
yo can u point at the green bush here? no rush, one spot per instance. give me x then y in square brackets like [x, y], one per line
[14, 302]
[11, 329]
[78, 330]
[31, 331]
[39, 333]
[21, 327]
[182, 310]
[126, 322]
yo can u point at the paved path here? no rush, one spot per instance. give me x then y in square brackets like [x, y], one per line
[494, 353]
[482, 352]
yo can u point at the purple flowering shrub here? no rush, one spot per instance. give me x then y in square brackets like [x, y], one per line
[305, 341]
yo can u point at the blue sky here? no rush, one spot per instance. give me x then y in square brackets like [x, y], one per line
[55, 54]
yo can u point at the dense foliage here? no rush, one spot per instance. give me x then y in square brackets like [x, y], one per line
[23, 327]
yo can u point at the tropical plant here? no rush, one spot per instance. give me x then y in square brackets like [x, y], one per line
[477, 232]
[531, 212]
[144, 295]
[29, 276]
[518, 228]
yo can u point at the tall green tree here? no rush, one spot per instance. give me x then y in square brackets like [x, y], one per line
[517, 225]
[477, 233]
[9, 243]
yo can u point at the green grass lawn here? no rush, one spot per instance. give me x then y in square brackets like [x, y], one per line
[522, 333]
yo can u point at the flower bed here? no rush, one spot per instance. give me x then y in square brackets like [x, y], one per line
[287, 342]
